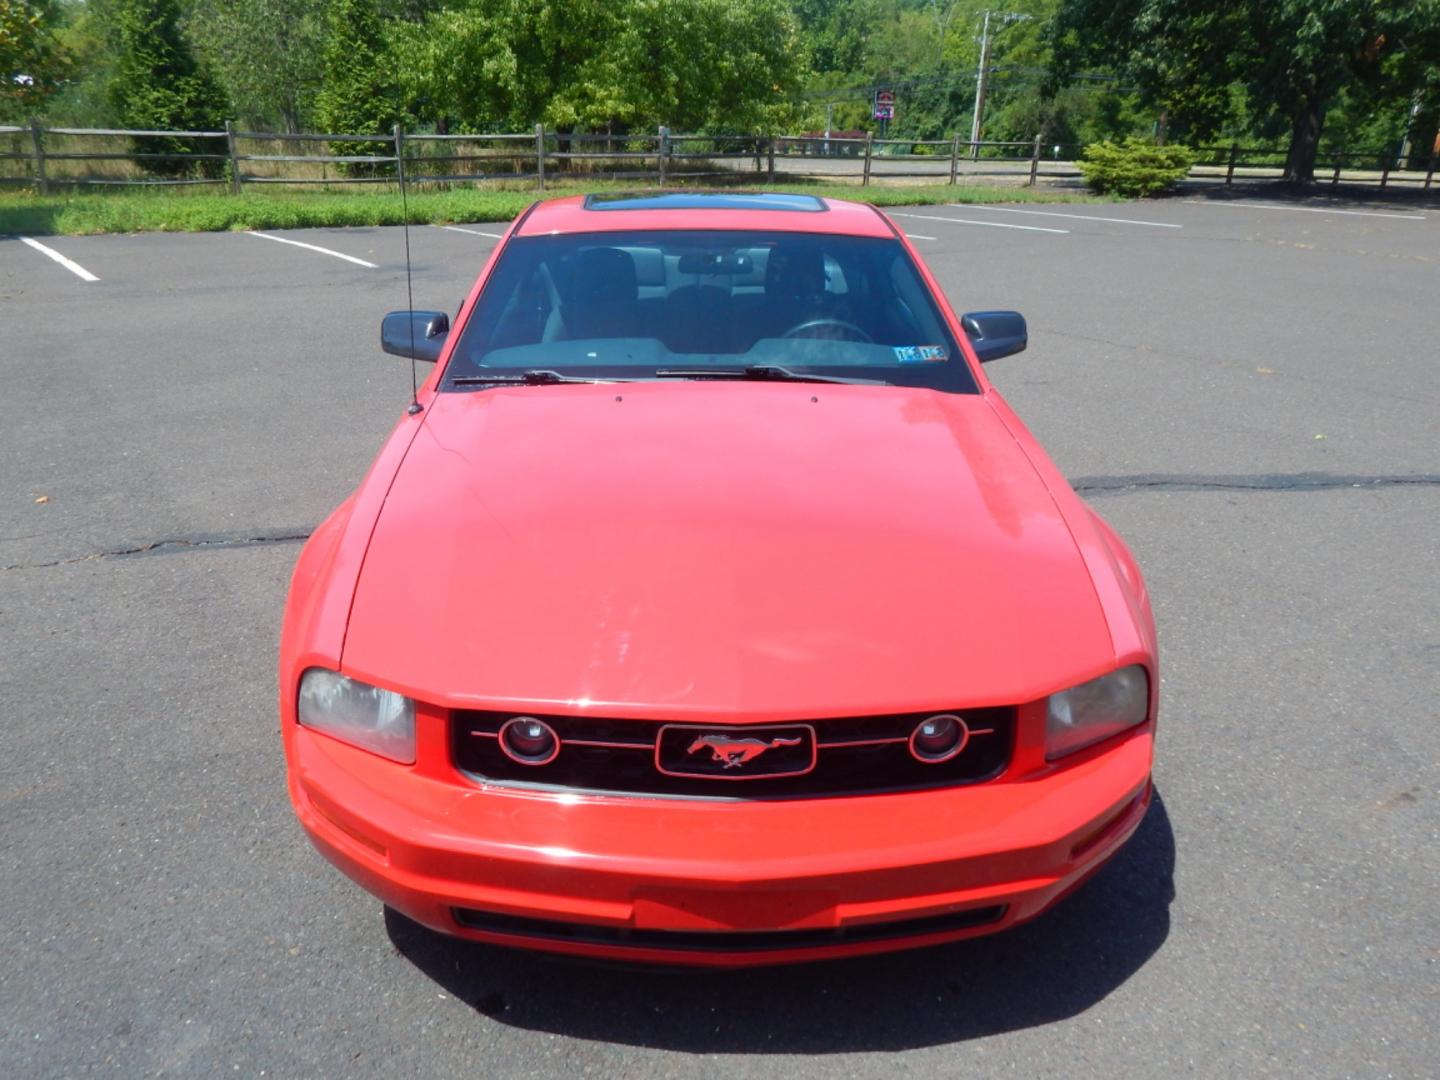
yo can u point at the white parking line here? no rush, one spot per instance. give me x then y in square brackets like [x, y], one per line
[312, 247]
[69, 264]
[1307, 209]
[1078, 217]
[917, 236]
[472, 232]
[991, 224]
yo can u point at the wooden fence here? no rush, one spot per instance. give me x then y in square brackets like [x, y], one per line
[1332, 166]
[44, 158]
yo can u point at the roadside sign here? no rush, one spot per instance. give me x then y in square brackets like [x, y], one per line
[884, 105]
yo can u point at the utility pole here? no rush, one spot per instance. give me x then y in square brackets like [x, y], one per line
[981, 78]
[1418, 100]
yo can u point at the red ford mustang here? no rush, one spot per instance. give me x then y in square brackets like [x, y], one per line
[710, 607]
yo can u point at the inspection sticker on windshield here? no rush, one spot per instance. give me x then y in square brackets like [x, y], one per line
[921, 354]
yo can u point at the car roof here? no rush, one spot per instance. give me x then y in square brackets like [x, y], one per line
[760, 211]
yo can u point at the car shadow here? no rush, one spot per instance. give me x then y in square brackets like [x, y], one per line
[1055, 967]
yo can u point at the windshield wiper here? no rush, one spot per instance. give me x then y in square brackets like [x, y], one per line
[761, 372]
[533, 377]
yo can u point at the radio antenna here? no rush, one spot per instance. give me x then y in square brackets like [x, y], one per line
[415, 405]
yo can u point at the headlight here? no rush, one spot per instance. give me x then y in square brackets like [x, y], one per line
[1095, 710]
[362, 715]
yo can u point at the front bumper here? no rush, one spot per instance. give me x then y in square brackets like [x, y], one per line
[716, 883]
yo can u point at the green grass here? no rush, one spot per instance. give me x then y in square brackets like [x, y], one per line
[209, 211]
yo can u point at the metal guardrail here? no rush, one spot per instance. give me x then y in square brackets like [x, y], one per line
[237, 158]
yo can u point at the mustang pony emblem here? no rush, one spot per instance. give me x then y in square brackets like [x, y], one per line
[736, 752]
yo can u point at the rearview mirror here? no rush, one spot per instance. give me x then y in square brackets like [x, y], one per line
[417, 334]
[995, 333]
[706, 262]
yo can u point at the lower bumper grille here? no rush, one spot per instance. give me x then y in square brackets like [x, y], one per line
[723, 941]
[830, 757]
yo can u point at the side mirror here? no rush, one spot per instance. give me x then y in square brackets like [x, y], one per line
[425, 329]
[995, 333]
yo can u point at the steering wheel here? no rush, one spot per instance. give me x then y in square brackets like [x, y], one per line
[850, 331]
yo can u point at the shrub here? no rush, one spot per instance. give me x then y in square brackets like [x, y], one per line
[1134, 167]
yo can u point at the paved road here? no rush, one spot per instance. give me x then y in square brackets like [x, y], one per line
[1248, 392]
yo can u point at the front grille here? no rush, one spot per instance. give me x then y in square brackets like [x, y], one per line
[731, 941]
[851, 756]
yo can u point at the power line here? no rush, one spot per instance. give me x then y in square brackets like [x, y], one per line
[912, 82]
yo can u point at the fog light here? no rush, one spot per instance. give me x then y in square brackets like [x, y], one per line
[939, 738]
[529, 741]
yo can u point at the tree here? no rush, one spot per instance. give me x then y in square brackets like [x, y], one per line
[836, 33]
[506, 64]
[266, 53]
[82, 100]
[156, 83]
[1293, 57]
[359, 92]
[32, 62]
[626, 64]
[697, 65]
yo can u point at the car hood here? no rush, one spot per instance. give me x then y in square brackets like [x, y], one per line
[721, 550]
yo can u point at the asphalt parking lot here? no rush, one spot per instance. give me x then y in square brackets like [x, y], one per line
[1246, 389]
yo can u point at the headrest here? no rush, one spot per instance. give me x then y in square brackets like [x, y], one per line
[795, 271]
[605, 276]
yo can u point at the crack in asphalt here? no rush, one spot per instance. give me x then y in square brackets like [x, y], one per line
[1083, 485]
[174, 543]
[1311, 481]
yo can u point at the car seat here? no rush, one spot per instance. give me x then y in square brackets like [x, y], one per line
[605, 295]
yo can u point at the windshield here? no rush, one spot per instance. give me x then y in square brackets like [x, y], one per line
[691, 303]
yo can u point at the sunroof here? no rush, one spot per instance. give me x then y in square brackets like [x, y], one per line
[699, 200]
